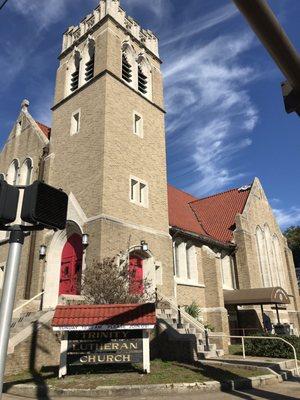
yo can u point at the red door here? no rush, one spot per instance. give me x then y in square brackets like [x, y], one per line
[136, 271]
[71, 266]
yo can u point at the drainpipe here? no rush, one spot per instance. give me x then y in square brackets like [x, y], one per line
[41, 173]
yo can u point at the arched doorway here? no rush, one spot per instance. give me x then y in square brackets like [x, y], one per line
[136, 274]
[71, 266]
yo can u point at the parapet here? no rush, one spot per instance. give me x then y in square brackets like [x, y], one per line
[113, 8]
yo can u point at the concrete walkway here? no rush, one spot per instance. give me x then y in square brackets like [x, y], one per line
[285, 391]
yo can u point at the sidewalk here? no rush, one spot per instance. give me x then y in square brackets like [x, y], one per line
[284, 391]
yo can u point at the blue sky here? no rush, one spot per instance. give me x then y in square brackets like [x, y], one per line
[225, 123]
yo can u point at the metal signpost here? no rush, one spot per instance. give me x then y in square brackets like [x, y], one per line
[38, 204]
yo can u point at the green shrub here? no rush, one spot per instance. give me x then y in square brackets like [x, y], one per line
[272, 348]
[193, 310]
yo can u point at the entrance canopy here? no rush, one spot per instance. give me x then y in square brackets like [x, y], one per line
[272, 295]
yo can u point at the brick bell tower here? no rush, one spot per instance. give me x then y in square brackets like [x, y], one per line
[108, 140]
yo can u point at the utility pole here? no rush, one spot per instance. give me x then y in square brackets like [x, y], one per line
[268, 29]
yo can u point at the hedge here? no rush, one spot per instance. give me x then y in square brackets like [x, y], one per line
[273, 348]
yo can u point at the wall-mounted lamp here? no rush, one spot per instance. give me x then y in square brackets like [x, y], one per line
[43, 250]
[85, 239]
[144, 245]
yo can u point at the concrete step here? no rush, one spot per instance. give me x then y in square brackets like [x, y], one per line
[204, 355]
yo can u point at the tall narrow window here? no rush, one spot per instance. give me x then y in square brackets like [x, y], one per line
[75, 74]
[126, 69]
[191, 263]
[137, 125]
[263, 257]
[18, 128]
[281, 281]
[142, 81]
[75, 122]
[134, 190]
[90, 65]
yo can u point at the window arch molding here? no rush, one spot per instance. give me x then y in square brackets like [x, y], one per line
[26, 172]
[12, 175]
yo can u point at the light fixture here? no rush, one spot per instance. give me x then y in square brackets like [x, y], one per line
[144, 245]
[43, 250]
[85, 239]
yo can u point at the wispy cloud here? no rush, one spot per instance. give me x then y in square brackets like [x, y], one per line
[289, 217]
[201, 24]
[157, 7]
[210, 110]
[44, 13]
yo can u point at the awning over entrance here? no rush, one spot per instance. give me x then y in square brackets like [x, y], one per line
[272, 295]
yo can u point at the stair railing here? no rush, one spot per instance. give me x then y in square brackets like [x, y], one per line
[243, 338]
[28, 302]
[180, 311]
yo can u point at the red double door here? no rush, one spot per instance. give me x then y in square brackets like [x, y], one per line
[136, 275]
[71, 266]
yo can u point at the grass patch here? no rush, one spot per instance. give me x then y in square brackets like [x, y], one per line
[235, 349]
[161, 372]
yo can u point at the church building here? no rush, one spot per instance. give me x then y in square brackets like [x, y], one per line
[106, 149]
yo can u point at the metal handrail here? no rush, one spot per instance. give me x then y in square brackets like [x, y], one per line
[260, 337]
[183, 313]
[28, 302]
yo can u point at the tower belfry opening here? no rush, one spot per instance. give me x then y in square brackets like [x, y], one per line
[126, 69]
[142, 81]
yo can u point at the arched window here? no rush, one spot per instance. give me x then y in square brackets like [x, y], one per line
[76, 71]
[270, 256]
[90, 64]
[12, 173]
[191, 263]
[281, 280]
[26, 172]
[180, 259]
[263, 258]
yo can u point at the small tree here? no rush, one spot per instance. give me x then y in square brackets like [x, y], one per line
[111, 282]
[293, 237]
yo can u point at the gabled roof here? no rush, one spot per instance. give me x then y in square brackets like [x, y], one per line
[212, 216]
[107, 314]
[45, 129]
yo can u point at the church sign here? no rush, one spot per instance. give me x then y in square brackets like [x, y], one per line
[105, 347]
[104, 334]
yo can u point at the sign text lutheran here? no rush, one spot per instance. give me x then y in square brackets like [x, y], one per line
[105, 347]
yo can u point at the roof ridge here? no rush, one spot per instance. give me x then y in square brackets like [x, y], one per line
[217, 194]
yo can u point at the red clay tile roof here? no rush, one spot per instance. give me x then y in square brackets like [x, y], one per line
[45, 129]
[213, 216]
[180, 213]
[111, 314]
